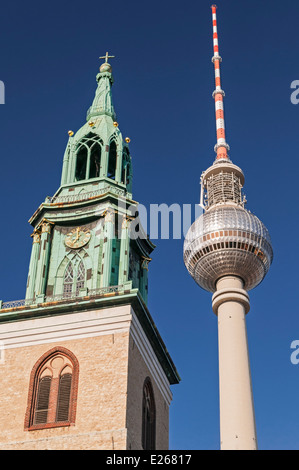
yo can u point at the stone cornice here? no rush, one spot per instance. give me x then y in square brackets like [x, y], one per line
[130, 297]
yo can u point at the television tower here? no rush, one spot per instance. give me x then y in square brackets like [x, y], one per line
[228, 251]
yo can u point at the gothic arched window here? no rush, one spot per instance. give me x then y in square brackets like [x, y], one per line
[148, 417]
[95, 161]
[88, 157]
[81, 163]
[112, 160]
[80, 281]
[74, 278]
[53, 390]
[68, 280]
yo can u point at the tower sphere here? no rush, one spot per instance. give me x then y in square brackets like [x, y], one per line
[227, 240]
[106, 67]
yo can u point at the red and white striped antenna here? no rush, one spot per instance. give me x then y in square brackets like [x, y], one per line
[221, 147]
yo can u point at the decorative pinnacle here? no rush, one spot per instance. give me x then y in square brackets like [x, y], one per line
[218, 95]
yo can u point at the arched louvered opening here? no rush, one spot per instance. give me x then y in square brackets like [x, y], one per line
[81, 163]
[68, 280]
[148, 417]
[64, 397]
[80, 277]
[42, 400]
[95, 161]
[53, 390]
[112, 160]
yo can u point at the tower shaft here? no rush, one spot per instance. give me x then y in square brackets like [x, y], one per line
[237, 421]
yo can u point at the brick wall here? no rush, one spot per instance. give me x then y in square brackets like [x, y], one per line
[101, 403]
[114, 358]
[137, 373]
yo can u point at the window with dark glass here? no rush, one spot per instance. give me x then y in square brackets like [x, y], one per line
[88, 158]
[95, 161]
[112, 160]
[81, 163]
[148, 417]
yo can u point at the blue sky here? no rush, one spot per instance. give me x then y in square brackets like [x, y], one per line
[162, 95]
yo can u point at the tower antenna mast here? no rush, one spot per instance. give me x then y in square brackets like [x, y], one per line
[221, 147]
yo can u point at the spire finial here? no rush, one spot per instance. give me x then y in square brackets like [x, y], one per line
[221, 147]
[106, 57]
[106, 67]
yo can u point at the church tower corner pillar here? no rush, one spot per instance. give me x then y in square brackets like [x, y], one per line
[124, 251]
[66, 161]
[107, 248]
[30, 291]
[43, 259]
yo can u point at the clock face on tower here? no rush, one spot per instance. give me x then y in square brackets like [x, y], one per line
[77, 238]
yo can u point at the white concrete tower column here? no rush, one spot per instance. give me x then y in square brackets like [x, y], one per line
[237, 422]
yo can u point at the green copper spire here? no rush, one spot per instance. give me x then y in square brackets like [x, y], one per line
[102, 103]
[81, 239]
[97, 150]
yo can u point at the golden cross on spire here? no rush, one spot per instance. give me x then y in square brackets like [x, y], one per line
[106, 57]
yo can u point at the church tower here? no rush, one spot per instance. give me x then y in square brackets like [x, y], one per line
[83, 365]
